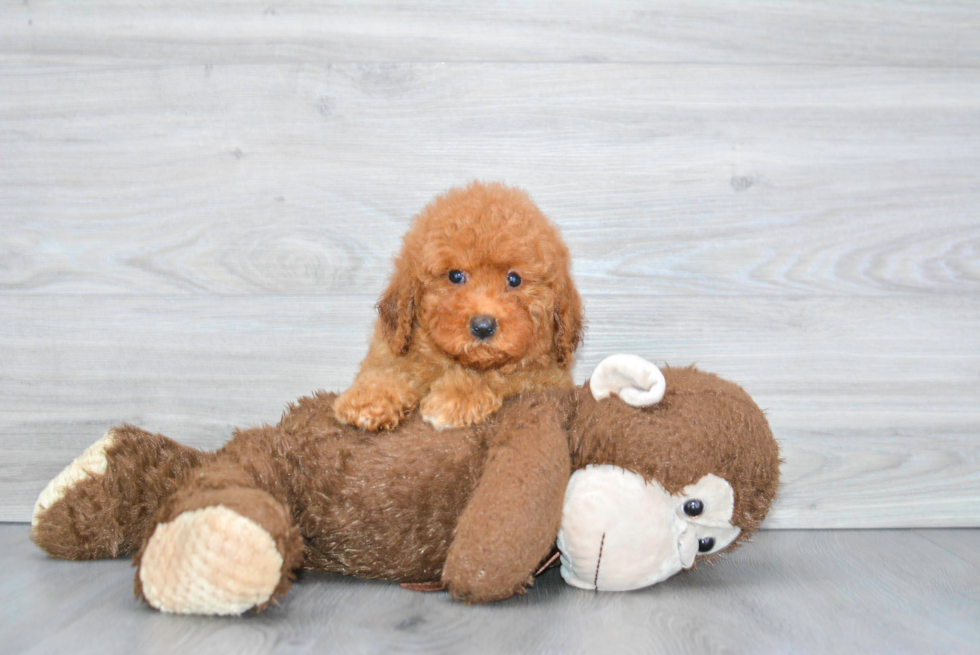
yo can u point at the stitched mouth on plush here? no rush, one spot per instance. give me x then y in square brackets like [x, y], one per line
[619, 532]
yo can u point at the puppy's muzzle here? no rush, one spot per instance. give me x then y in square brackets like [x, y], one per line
[483, 327]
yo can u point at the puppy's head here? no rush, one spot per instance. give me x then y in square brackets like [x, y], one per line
[484, 276]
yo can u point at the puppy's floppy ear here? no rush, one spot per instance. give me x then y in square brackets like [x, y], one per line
[568, 322]
[396, 307]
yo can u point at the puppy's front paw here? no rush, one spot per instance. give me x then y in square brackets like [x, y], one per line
[458, 408]
[372, 407]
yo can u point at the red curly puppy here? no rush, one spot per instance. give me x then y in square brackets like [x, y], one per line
[481, 306]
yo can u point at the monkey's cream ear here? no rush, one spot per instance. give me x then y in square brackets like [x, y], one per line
[635, 380]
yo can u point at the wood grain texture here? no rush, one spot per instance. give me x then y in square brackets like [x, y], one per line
[199, 202]
[787, 591]
[296, 179]
[849, 32]
[872, 399]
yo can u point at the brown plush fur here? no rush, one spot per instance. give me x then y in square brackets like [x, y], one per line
[704, 424]
[108, 515]
[476, 508]
[423, 350]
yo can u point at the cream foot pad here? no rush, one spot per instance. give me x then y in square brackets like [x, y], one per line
[209, 561]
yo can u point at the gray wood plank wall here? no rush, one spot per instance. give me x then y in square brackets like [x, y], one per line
[199, 202]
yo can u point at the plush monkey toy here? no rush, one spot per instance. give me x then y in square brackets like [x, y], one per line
[634, 475]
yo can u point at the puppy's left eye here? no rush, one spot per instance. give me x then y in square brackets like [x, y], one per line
[456, 277]
[513, 279]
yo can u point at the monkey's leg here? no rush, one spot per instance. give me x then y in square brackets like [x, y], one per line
[225, 542]
[100, 505]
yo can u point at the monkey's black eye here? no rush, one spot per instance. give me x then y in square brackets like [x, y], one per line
[456, 277]
[693, 507]
[706, 544]
[513, 279]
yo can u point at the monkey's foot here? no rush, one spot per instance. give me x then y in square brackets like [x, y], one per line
[210, 561]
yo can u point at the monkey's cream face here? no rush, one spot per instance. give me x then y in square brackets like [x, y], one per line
[619, 532]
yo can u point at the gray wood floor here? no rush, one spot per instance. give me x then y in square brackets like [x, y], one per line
[815, 591]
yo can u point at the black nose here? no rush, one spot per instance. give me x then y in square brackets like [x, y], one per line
[483, 327]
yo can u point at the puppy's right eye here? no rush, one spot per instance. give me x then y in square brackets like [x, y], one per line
[456, 277]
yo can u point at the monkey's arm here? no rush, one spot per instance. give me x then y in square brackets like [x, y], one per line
[511, 520]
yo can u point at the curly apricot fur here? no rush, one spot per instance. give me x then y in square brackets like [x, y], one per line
[423, 350]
